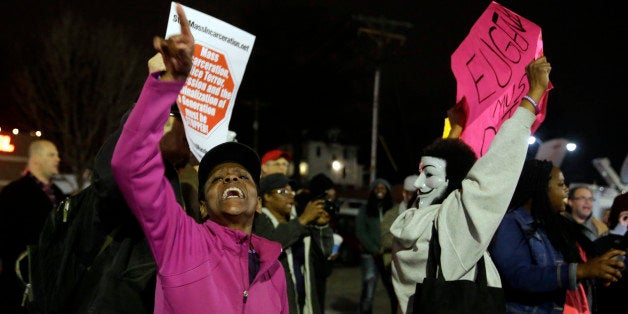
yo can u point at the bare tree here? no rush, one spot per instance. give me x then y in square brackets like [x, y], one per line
[77, 89]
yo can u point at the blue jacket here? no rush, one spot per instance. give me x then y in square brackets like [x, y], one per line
[534, 274]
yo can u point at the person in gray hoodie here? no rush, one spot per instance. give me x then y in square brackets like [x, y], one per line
[467, 216]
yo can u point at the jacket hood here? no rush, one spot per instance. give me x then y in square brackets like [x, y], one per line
[411, 224]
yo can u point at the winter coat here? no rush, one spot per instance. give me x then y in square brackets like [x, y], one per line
[317, 242]
[24, 207]
[202, 268]
[536, 279]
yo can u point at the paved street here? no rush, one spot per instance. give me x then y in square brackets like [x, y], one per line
[343, 292]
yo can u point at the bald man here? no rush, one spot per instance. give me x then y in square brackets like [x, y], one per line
[24, 205]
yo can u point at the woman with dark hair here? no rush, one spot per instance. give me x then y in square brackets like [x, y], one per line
[545, 262]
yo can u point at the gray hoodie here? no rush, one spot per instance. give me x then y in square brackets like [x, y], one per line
[466, 221]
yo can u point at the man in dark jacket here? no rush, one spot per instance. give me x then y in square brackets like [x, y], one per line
[306, 240]
[24, 206]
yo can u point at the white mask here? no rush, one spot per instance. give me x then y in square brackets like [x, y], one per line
[432, 181]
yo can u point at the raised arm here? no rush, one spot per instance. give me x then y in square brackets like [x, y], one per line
[137, 163]
[471, 215]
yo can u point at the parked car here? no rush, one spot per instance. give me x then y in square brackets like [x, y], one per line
[344, 225]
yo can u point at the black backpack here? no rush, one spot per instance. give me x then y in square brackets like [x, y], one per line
[82, 266]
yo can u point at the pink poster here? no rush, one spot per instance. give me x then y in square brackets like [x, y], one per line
[489, 66]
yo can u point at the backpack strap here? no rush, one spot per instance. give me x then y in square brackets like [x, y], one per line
[433, 258]
[28, 295]
[434, 255]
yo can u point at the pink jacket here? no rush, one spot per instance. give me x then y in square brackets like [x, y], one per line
[202, 268]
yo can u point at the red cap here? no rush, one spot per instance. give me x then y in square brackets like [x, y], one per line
[276, 154]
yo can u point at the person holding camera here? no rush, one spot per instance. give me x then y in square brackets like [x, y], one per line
[368, 231]
[322, 187]
[305, 239]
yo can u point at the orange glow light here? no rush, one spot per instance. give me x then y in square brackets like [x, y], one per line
[5, 144]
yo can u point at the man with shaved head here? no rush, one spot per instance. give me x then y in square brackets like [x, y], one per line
[24, 205]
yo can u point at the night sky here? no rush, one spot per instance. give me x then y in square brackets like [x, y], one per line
[311, 70]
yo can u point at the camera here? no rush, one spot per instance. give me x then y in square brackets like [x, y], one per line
[330, 207]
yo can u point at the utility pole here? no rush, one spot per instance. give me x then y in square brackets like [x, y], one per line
[256, 126]
[379, 31]
[256, 105]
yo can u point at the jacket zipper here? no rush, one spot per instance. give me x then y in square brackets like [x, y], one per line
[245, 293]
[66, 210]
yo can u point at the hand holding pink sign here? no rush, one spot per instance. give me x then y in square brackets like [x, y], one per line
[490, 70]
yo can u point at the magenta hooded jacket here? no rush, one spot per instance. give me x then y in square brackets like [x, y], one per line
[202, 268]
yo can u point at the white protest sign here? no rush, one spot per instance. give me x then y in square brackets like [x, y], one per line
[220, 56]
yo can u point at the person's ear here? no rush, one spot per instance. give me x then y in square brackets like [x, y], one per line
[623, 218]
[203, 209]
[258, 208]
[262, 198]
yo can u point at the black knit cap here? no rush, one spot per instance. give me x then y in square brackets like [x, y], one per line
[273, 181]
[228, 152]
[320, 183]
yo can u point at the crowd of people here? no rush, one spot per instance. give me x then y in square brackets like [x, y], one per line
[236, 234]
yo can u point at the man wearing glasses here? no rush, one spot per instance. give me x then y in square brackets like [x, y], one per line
[305, 240]
[580, 210]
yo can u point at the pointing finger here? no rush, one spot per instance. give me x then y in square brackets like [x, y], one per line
[183, 20]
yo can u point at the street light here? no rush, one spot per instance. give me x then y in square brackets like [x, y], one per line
[304, 169]
[336, 165]
[569, 146]
[553, 150]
